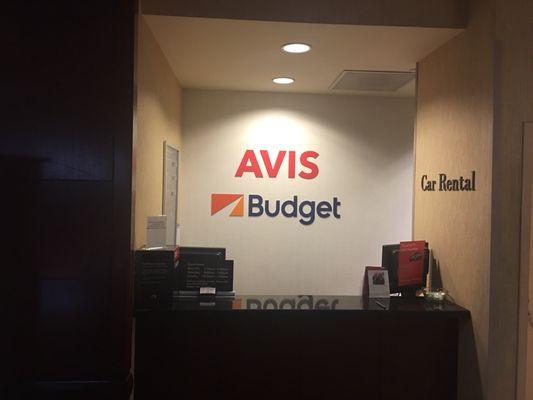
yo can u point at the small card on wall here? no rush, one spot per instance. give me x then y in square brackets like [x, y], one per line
[376, 283]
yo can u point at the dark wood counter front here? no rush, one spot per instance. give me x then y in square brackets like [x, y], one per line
[298, 347]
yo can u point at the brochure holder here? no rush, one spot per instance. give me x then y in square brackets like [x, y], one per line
[390, 261]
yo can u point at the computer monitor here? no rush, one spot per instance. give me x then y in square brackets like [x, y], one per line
[199, 267]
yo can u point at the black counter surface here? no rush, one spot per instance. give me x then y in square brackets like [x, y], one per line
[315, 303]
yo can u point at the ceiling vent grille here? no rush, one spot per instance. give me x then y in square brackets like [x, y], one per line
[372, 81]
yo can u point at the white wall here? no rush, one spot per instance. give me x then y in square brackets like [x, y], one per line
[365, 146]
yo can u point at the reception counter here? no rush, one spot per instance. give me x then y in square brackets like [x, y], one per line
[298, 347]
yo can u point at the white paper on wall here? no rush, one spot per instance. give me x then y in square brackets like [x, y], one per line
[156, 231]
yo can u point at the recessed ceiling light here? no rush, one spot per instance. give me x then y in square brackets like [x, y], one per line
[283, 80]
[296, 48]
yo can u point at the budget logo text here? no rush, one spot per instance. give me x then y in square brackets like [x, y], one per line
[304, 211]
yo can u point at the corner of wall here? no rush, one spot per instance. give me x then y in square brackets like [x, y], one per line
[158, 120]
[454, 137]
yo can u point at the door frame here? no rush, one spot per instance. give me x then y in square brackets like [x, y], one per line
[173, 147]
[525, 256]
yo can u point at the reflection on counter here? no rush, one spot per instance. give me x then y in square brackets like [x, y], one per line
[314, 303]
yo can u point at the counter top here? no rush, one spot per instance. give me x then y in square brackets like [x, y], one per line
[316, 303]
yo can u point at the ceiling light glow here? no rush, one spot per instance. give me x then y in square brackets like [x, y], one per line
[283, 80]
[296, 48]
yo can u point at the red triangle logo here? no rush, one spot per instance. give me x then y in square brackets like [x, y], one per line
[220, 201]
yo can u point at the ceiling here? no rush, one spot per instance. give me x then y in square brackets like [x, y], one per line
[245, 55]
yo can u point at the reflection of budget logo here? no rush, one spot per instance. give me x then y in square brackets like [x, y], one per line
[292, 303]
[221, 201]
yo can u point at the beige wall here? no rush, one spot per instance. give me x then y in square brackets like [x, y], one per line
[513, 34]
[158, 119]
[365, 159]
[474, 93]
[454, 136]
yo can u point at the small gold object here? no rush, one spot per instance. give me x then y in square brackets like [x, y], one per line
[437, 295]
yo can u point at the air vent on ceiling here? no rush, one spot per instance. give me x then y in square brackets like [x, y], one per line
[374, 81]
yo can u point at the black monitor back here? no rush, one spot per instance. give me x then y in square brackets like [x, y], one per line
[215, 251]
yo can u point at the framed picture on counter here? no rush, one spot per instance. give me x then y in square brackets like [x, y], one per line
[376, 283]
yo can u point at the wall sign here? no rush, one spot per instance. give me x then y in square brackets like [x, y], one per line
[443, 183]
[250, 164]
[305, 211]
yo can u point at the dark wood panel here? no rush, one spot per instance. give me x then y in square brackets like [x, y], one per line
[70, 228]
[123, 215]
[70, 337]
[61, 95]
[65, 162]
[65, 280]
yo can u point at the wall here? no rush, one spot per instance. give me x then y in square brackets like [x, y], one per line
[454, 136]
[474, 93]
[513, 36]
[365, 159]
[158, 119]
